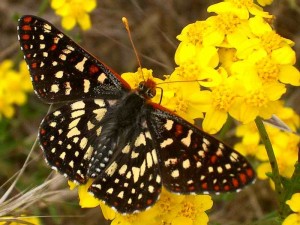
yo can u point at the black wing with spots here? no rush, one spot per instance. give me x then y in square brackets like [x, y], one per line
[193, 161]
[60, 69]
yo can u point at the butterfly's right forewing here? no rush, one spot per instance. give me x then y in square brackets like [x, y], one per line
[60, 69]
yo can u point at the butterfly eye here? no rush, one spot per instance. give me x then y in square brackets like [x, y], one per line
[151, 92]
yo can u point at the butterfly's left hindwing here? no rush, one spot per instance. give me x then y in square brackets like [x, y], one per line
[70, 134]
[60, 69]
[192, 161]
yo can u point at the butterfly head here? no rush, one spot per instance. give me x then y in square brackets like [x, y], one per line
[147, 89]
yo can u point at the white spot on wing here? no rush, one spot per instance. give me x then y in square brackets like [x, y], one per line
[111, 169]
[80, 65]
[140, 140]
[167, 142]
[187, 140]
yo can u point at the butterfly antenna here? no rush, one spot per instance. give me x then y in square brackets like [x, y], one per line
[126, 24]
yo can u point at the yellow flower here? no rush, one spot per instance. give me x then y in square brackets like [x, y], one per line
[285, 144]
[20, 220]
[241, 8]
[293, 218]
[74, 11]
[221, 99]
[13, 87]
[257, 100]
[230, 29]
[191, 210]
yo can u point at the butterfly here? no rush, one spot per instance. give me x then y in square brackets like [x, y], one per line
[115, 135]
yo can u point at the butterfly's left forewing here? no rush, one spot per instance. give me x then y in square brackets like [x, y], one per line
[192, 161]
[60, 69]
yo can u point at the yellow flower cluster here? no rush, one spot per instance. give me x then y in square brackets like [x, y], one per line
[13, 87]
[285, 144]
[234, 64]
[171, 209]
[294, 218]
[74, 11]
[240, 62]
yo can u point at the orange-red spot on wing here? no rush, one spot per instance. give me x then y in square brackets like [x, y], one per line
[178, 130]
[53, 47]
[216, 187]
[191, 188]
[93, 69]
[26, 27]
[27, 19]
[149, 201]
[34, 65]
[235, 182]
[226, 188]
[243, 178]
[250, 172]
[204, 186]
[25, 37]
[213, 159]
[42, 131]
[25, 47]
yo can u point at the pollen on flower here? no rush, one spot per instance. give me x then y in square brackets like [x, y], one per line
[271, 41]
[256, 98]
[227, 22]
[193, 33]
[181, 104]
[242, 3]
[188, 209]
[267, 70]
[222, 97]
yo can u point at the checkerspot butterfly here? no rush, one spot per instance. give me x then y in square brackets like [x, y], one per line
[115, 135]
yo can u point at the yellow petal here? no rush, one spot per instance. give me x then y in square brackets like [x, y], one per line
[262, 169]
[289, 75]
[294, 202]
[259, 26]
[242, 112]
[55, 4]
[108, 213]
[72, 185]
[284, 56]
[68, 22]
[207, 56]
[214, 120]
[84, 21]
[292, 219]
[89, 5]
[184, 52]
[180, 220]
[86, 200]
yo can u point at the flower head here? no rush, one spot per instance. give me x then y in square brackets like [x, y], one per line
[74, 11]
[13, 87]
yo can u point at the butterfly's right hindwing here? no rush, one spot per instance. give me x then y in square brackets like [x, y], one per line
[60, 69]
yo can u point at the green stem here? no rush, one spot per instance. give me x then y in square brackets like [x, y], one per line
[275, 171]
